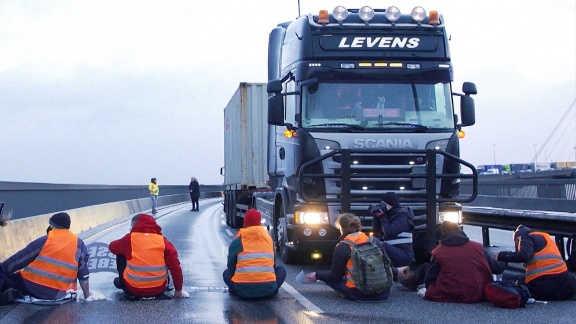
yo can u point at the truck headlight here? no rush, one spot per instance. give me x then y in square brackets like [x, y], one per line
[454, 216]
[311, 218]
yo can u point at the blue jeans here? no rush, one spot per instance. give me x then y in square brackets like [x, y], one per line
[154, 201]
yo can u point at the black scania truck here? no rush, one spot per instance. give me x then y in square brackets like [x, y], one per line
[361, 103]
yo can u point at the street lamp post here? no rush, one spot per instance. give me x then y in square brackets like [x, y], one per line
[535, 158]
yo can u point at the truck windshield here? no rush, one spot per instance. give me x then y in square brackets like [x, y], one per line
[378, 106]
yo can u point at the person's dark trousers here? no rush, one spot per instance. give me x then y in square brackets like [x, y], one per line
[194, 200]
[120, 266]
[354, 294]
[280, 277]
[399, 257]
[419, 273]
[14, 280]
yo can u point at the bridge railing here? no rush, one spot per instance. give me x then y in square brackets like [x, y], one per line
[559, 224]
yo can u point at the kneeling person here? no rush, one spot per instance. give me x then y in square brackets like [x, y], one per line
[252, 272]
[143, 258]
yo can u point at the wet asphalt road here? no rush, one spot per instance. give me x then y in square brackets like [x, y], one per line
[202, 239]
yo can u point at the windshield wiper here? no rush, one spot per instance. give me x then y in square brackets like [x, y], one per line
[338, 125]
[408, 125]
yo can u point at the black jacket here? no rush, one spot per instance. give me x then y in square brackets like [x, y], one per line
[194, 189]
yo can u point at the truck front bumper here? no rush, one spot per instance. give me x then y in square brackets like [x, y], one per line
[310, 238]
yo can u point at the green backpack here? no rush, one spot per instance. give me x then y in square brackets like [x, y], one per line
[371, 267]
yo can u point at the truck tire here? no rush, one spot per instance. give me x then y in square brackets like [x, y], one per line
[287, 255]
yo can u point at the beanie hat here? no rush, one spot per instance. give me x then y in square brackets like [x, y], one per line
[521, 230]
[252, 218]
[449, 227]
[60, 220]
[392, 199]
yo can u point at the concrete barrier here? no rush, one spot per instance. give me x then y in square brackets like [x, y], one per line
[21, 232]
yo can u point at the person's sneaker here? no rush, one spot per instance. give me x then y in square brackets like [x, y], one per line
[407, 280]
[117, 283]
[9, 295]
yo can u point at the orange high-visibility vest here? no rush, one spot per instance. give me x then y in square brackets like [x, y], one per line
[357, 238]
[147, 268]
[255, 263]
[546, 262]
[56, 266]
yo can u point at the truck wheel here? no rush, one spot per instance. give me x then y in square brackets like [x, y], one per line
[288, 256]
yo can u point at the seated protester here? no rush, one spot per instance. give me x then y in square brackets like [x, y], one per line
[252, 272]
[547, 276]
[339, 277]
[394, 224]
[47, 267]
[458, 271]
[143, 258]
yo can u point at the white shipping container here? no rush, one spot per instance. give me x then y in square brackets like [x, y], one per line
[245, 137]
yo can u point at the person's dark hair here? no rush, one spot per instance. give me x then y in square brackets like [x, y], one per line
[349, 223]
[448, 226]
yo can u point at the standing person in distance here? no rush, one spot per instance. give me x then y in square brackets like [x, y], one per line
[547, 275]
[48, 266]
[251, 271]
[393, 224]
[339, 277]
[194, 190]
[154, 191]
[143, 258]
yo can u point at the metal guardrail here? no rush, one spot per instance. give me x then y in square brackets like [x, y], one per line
[559, 224]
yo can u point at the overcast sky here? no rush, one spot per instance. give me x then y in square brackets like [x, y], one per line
[116, 92]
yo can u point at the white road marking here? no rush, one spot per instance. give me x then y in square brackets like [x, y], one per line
[229, 232]
[301, 299]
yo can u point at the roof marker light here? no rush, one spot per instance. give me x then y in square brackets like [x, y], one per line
[392, 13]
[340, 13]
[365, 64]
[323, 17]
[433, 17]
[366, 13]
[418, 14]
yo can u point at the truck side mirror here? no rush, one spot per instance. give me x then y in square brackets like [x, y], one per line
[276, 110]
[467, 110]
[274, 86]
[469, 88]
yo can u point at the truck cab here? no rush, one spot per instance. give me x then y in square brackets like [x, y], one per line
[361, 103]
